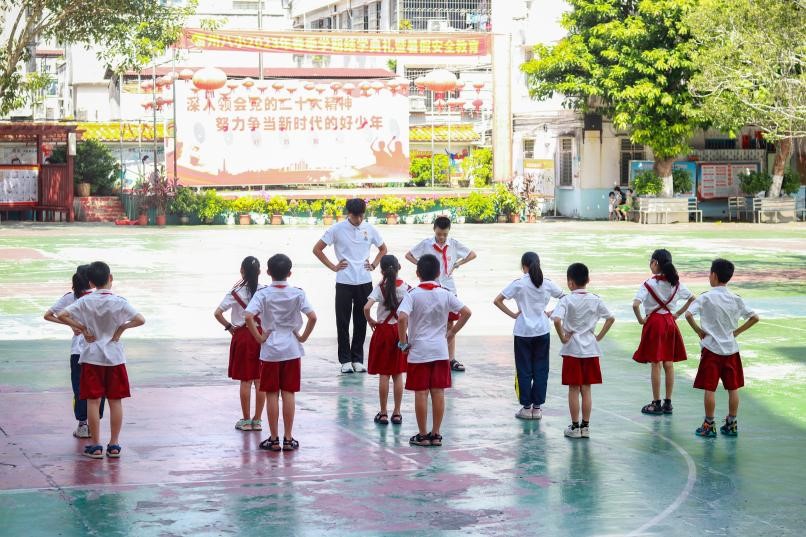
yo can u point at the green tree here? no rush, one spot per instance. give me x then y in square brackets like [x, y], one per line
[478, 166]
[629, 59]
[420, 169]
[751, 62]
[94, 164]
[129, 34]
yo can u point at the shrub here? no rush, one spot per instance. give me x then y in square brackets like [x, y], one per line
[419, 205]
[455, 205]
[479, 166]
[185, 202]
[505, 201]
[752, 183]
[420, 170]
[277, 205]
[791, 182]
[647, 184]
[681, 181]
[479, 207]
[249, 204]
[210, 205]
[333, 207]
[391, 204]
[93, 164]
[317, 206]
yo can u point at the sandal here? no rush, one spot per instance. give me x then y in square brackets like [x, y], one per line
[436, 439]
[397, 419]
[422, 440]
[654, 408]
[290, 445]
[457, 366]
[381, 419]
[271, 444]
[113, 451]
[243, 425]
[94, 452]
[257, 425]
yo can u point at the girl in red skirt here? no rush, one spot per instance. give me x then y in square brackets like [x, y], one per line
[661, 342]
[385, 358]
[244, 351]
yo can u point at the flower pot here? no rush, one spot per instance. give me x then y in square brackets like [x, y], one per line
[391, 219]
[460, 219]
[341, 217]
[83, 190]
[411, 219]
[229, 220]
[184, 220]
[532, 218]
[502, 219]
[311, 220]
[327, 220]
[244, 219]
[514, 218]
[142, 219]
[161, 219]
[259, 219]
[372, 220]
[276, 219]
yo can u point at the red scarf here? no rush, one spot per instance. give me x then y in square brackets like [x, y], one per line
[428, 286]
[444, 252]
[659, 277]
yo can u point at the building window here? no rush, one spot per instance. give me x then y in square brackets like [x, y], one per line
[629, 151]
[528, 149]
[471, 15]
[366, 18]
[566, 159]
[378, 16]
[240, 5]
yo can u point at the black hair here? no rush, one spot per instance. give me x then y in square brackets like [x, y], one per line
[617, 188]
[98, 273]
[390, 266]
[250, 266]
[611, 193]
[279, 266]
[428, 267]
[532, 261]
[356, 206]
[81, 282]
[723, 270]
[578, 273]
[664, 259]
[442, 222]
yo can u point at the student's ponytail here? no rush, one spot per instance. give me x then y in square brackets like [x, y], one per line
[664, 259]
[532, 261]
[389, 268]
[250, 267]
[81, 282]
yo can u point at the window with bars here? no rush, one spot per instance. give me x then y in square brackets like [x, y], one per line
[461, 14]
[366, 18]
[528, 148]
[565, 159]
[629, 151]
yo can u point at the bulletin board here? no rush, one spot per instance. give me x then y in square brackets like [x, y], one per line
[19, 184]
[719, 180]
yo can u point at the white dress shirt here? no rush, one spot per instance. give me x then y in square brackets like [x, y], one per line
[532, 302]
[720, 311]
[77, 344]
[448, 254]
[664, 290]
[236, 316]
[280, 308]
[428, 311]
[102, 312]
[352, 244]
[580, 311]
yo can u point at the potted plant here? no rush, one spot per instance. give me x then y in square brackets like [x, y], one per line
[162, 191]
[277, 207]
[330, 208]
[140, 196]
[532, 210]
[184, 203]
[507, 204]
[479, 207]
[391, 206]
[338, 208]
[755, 184]
[315, 207]
[243, 206]
[209, 205]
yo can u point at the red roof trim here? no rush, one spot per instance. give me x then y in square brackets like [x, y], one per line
[49, 52]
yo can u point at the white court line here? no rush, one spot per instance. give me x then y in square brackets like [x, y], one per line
[783, 326]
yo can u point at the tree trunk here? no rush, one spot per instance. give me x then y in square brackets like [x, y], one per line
[782, 154]
[663, 169]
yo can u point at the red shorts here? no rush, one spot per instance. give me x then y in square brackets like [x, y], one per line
[385, 358]
[110, 381]
[718, 366]
[581, 371]
[660, 340]
[428, 375]
[280, 376]
[244, 356]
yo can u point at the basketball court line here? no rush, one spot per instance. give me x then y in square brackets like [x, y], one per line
[782, 326]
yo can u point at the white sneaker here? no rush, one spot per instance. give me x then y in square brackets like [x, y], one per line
[347, 368]
[572, 432]
[537, 413]
[585, 432]
[524, 413]
[82, 431]
[358, 367]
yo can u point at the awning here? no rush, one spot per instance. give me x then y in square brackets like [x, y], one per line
[461, 132]
[111, 131]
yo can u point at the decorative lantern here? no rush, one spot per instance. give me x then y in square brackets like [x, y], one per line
[186, 74]
[262, 86]
[277, 86]
[477, 86]
[440, 104]
[290, 87]
[321, 88]
[233, 84]
[209, 79]
[248, 82]
[456, 104]
[147, 105]
[365, 87]
[309, 86]
[348, 88]
[419, 83]
[477, 105]
[377, 86]
[146, 85]
[159, 102]
[335, 86]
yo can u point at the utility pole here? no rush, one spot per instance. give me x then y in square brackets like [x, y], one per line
[260, 27]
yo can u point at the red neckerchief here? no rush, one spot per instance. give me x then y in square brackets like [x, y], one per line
[428, 286]
[659, 277]
[661, 304]
[444, 252]
[85, 293]
[279, 286]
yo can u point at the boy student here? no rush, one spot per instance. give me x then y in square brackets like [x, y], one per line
[451, 254]
[102, 317]
[352, 239]
[280, 308]
[575, 319]
[719, 312]
[422, 320]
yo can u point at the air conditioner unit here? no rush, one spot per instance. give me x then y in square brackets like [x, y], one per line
[438, 25]
[81, 114]
[50, 113]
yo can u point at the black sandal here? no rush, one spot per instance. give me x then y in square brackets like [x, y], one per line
[397, 419]
[654, 408]
[422, 440]
[436, 439]
[271, 444]
[381, 419]
[457, 366]
[290, 445]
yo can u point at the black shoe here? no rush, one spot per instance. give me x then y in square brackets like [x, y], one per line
[654, 408]
[667, 406]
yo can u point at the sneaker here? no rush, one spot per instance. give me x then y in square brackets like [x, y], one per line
[347, 369]
[730, 428]
[584, 432]
[82, 431]
[537, 413]
[244, 425]
[573, 432]
[706, 430]
[524, 413]
[358, 367]
[257, 425]
[667, 406]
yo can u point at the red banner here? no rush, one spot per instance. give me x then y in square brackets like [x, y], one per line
[391, 44]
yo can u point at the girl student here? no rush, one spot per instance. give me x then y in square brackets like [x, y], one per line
[532, 293]
[244, 351]
[81, 286]
[385, 357]
[661, 343]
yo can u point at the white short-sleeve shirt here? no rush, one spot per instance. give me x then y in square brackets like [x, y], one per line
[448, 254]
[580, 311]
[664, 290]
[382, 312]
[236, 316]
[532, 302]
[102, 312]
[77, 344]
[352, 244]
[428, 306]
[720, 311]
[280, 308]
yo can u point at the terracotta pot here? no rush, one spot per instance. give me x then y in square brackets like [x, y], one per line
[142, 219]
[341, 217]
[502, 219]
[391, 219]
[514, 218]
[531, 219]
[276, 219]
[244, 219]
[161, 219]
[83, 190]
[327, 220]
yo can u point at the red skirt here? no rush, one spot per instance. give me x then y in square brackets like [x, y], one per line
[244, 356]
[660, 341]
[385, 358]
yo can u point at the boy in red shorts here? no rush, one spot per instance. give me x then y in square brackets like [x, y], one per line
[280, 308]
[423, 333]
[720, 311]
[102, 317]
[575, 319]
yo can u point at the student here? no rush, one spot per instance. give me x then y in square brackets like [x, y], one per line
[626, 204]
[532, 293]
[452, 255]
[244, 351]
[422, 319]
[81, 287]
[102, 317]
[661, 343]
[575, 319]
[612, 207]
[385, 357]
[720, 311]
[280, 308]
[352, 241]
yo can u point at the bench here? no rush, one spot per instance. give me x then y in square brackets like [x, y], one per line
[736, 205]
[664, 210]
[694, 209]
[779, 209]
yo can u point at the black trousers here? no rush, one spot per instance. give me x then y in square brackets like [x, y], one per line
[350, 301]
[532, 367]
[79, 405]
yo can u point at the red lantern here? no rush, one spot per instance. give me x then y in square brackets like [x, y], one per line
[186, 74]
[365, 87]
[277, 86]
[335, 86]
[477, 86]
[309, 86]
[232, 84]
[146, 85]
[209, 79]
[147, 105]
[440, 104]
[159, 103]
[166, 80]
[348, 88]
[291, 87]
[477, 105]
[456, 104]
[419, 83]
[248, 82]
[262, 86]
[377, 86]
[321, 88]
[440, 81]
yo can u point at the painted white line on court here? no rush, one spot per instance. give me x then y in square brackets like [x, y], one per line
[783, 326]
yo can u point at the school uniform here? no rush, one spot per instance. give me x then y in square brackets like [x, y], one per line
[661, 340]
[103, 362]
[448, 254]
[720, 311]
[385, 357]
[580, 311]
[532, 338]
[427, 306]
[280, 308]
[244, 351]
[353, 284]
